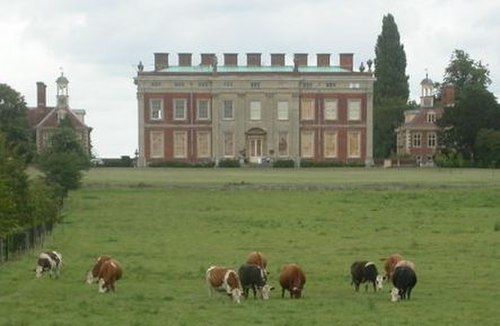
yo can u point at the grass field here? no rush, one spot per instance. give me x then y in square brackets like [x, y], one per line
[167, 226]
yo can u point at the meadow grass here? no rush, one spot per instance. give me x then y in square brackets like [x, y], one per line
[167, 226]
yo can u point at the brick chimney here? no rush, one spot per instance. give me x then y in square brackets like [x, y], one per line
[161, 61]
[323, 59]
[277, 59]
[184, 59]
[300, 59]
[448, 95]
[41, 95]
[346, 61]
[253, 59]
[230, 59]
[207, 59]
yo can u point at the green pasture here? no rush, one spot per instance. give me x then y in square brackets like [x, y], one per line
[167, 226]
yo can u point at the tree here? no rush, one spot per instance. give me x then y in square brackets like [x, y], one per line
[487, 147]
[391, 88]
[64, 160]
[14, 123]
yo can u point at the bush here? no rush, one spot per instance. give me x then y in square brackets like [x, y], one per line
[284, 164]
[229, 163]
[328, 164]
[182, 164]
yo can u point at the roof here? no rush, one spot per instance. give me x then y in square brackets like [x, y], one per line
[252, 69]
[420, 119]
[46, 117]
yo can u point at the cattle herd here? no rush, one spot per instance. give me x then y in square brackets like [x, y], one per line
[253, 275]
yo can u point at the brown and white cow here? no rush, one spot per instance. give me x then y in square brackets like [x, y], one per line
[106, 271]
[258, 258]
[225, 280]
[390, 264]
[292, 278]
[49, 261]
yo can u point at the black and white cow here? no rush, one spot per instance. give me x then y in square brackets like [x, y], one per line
[365, 271]
[49, 261]
[404, 280]
[254, 277]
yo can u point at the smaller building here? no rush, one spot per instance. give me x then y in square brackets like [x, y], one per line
[44, 120]
[418, 136]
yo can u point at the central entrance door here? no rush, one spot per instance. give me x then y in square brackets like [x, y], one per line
[256, 142]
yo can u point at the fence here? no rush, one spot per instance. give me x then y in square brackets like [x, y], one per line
[15, 244]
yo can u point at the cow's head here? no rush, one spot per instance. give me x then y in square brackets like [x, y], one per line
[395, 296]
[265, 291]
[379, 282]
[236, 294]
[91, 278]
[38, 271]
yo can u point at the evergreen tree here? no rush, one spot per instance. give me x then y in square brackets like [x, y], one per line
[391, 88]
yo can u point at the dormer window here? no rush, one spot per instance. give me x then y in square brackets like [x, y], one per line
[431, 117]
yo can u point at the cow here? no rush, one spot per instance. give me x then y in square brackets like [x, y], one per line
[404, 279]
[223, 279]
[49, 261]
[365, 271]
[292, 278]
[389, 264]
[255, 278]
[258, 258]
[407, 263]
[106, 271]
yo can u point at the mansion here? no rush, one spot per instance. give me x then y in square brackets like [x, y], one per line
[208, 112]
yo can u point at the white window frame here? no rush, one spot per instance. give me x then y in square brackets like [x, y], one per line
[184, 108]
[227, 109]
[431, 140]
[282, 108]
[331, 109]
[354, 110]
[255, 111]
[176, 154]
[416, 140]
[198, 108]
[152, 109]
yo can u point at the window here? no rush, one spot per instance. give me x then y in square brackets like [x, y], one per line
[255, 85]
[431, 140]
[307, 144]
[307, 109]
[416, 140]
[180, 109]
[203, 111]
[203, 141]
[203, 84]
[331, 109]
[156, 144]
[228, 144]
[330, 144]
[330, 84]
[353, 144]
[255, 110]
[283, 144]
[180, 144]
[228, 112]
[354, 110]
[179, 84]
[431, 117]
[282, 110]
[156, 109]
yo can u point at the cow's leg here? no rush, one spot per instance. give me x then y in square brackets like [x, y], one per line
[254, 291]
[282, 292]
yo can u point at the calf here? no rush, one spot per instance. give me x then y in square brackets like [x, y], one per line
[258, 258]
[389, 265]
[254, 277]
[403, 279]
[106, 271]
[224, 280]
[292, 278]
[49, 261]
[364, 271]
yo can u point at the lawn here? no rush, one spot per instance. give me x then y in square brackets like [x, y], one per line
[167, 226]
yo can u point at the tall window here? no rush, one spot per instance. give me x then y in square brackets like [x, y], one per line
[307, 109]
[282, 110]
[354, 144]
[228, 144]
[331, 109]
[203, 111]
[416, 140]
[431, 117]
[180, 106]
[203, 141]
[283, 144]
[156, 144]
[354, 110]
[180, 144]
[228, 110]
[307, 143]
[156, 109]
[431, 140]
[330, 144]
[255, 110]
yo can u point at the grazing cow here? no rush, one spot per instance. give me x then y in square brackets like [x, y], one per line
[403, 279]
[390, 263]
[366, 271]
[106, 271]
[224, 280]
[258, 258]
[292, 278]
[49, 261]
[254, 277]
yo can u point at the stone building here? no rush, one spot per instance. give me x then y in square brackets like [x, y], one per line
[211, 112]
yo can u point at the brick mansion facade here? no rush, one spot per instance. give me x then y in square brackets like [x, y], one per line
[212, 112]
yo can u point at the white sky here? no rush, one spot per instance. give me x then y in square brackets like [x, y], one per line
[98, 44]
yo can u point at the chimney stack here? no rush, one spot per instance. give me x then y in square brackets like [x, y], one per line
[277, 59]
[230, 59]
[184, 59]
[346, 61]
[300, 59]
[207, 59]
[253, 59]
[323, 59]
[161, 61]
[41, 95]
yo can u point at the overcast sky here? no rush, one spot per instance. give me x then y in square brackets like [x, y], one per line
[98, 44]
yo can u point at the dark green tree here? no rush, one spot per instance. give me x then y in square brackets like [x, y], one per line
[391, 88]
[14, 122]
[487, 148]
[64, 160]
